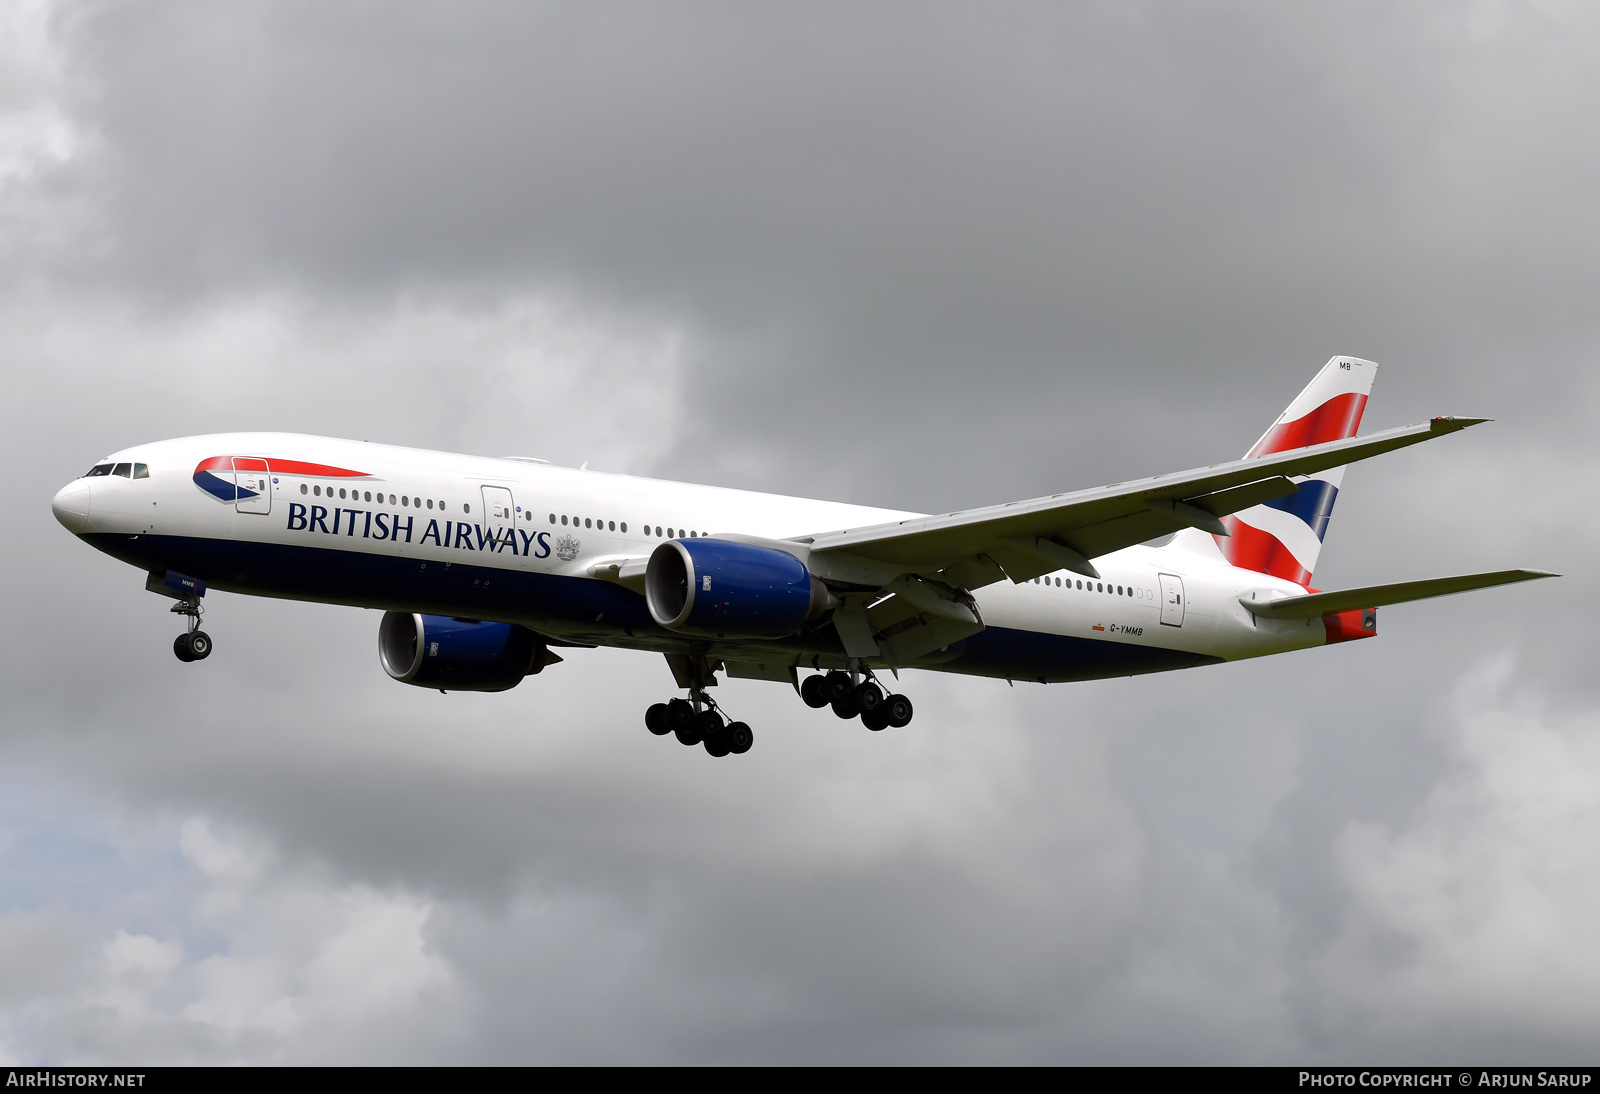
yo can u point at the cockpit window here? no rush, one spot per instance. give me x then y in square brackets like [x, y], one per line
[97, 470]
[125, 470]
[141, 471]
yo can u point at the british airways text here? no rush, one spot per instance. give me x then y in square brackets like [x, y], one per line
[460, 535]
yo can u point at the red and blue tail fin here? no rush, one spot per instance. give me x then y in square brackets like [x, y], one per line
[1284, 537]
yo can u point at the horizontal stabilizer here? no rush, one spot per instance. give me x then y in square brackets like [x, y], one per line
[1375, 596]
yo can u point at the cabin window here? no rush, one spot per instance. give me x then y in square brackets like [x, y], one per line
[97, 470]
[611, 526]
[341, 493]
[563, 519]
[586, 523]
[141, 471]
[624, 526]
[466, 508]
[369, 495]
[317, 490]
[552, 518]
[303, 489]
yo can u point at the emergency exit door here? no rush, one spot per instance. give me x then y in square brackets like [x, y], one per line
[252, 486]
[500, 513]
[1171, 600]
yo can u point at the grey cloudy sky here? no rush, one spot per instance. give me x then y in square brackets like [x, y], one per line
[906, 254]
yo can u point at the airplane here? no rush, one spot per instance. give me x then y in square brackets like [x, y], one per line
[485, 567]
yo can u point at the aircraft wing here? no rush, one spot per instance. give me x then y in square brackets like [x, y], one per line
[1023, 539]
[1375, 596]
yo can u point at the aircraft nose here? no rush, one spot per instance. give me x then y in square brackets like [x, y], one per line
[71, 506]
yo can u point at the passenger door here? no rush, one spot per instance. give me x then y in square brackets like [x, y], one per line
[500, 513]
[1171, 600]
[252, 486]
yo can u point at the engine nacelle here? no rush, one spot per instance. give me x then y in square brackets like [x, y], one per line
[734, 590]
[436, 651]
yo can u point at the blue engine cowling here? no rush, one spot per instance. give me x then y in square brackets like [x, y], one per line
[436, 651]
[733, 590]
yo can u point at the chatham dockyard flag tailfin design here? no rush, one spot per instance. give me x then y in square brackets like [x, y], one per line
[1284, 537]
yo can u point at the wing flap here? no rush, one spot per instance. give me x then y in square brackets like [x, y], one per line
[1376, 596]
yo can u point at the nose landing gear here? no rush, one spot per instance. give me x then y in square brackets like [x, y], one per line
[193, 644]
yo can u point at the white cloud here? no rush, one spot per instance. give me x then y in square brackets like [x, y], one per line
[34, 129]
[306, 969]
[1481, 911]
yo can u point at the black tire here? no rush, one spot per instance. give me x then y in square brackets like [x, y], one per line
[680, 712]
[898, 707]
[815, 692]
[199, 643]
[739, 738]
[180, 649]
[876, 720]
[655, 719]
[718, 746]
[845, 708]
[689, 734]
[710, 725]
[839, 685]
[869, 697]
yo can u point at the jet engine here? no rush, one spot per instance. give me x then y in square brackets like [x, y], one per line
[734, 590]
[436, 651]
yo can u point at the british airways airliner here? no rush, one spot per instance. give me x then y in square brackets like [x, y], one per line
[485, 567]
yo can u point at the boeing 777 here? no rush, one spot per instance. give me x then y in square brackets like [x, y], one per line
[485, 567]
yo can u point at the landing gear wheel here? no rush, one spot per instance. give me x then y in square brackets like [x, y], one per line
[655, 719]
[898, 708]
[718, 745]
[680, 712]
[710, 725]
[199, 645]
[845, 708]
[739, 738]
[180, 648]
[839, 686]
[815, 692]
[688, 735]
[869, 697]
[876, 719]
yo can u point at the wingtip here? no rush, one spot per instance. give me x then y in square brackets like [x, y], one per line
[1450, 423]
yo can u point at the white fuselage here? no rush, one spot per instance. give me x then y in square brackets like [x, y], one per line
[516, 541]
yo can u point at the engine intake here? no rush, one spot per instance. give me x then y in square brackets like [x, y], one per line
[734, 590]
[436, 651]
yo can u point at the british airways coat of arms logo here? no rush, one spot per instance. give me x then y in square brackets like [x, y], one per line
[566, 548]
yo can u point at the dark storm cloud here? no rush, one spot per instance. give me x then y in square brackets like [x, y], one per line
[883, 213]
[922, 256]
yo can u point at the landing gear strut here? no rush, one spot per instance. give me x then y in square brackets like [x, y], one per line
[697, 721]
[193, 644]
[857, 694]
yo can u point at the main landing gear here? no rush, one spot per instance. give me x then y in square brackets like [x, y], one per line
[697, 721]
[193, 644]
[857, 694]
